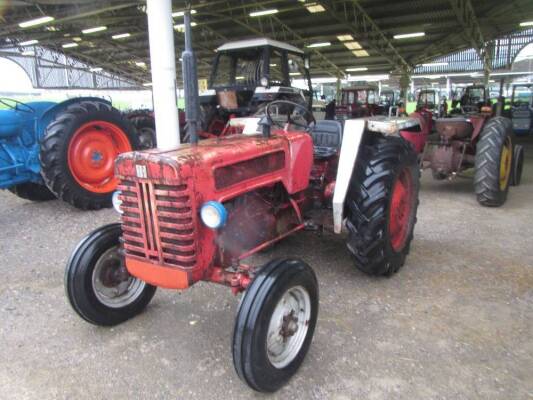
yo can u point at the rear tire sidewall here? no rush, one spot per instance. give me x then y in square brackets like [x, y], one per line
[253, 319]
[79, 286]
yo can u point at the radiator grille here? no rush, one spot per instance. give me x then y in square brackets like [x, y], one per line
[158, 223]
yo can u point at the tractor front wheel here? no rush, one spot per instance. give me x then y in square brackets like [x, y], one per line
[78, 153]
[275, 324]
[381, 205]
[97, 283]
[493, 164]
[32, 191]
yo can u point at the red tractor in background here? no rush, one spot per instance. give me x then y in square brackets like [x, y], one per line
[199, 213]
[248, 74]
[476, 139]
[357, 102]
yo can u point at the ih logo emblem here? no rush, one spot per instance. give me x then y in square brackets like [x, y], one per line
[141, 171]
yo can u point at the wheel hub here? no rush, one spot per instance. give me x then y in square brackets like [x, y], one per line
[400, 209]
[505, 163]
[91, 154]
[112, 284]
[288, 326]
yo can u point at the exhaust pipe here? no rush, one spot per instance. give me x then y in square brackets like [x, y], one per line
[190, 83]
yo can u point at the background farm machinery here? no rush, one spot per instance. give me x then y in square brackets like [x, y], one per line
[248, 74]
[65, 150]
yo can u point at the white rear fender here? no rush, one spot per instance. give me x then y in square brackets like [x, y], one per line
[351, 141]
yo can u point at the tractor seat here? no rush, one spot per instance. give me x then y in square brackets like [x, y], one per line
[327, 138]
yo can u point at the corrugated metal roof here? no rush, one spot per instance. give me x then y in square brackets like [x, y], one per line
[369, 25]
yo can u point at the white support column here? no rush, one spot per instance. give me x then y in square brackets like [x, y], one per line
[163, 63]
[448, 88]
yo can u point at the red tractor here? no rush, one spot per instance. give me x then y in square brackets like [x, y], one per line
[199, 213]
[357, 102]
[248, 74]
[475, 140]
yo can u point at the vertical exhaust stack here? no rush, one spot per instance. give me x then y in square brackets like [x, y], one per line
[190, 83]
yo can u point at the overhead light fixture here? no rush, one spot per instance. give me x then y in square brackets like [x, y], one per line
[273, 65]
[147, 84]
[36, 21]
[29, 42]
[181, 27]
[97, 69]
[360, 53]
[28, 53]
[94, 30]
[141, 64]
[315, 7]
[353, 45]
[526, 23]
[121, 36]
[294, 73]
[345, 38]
[77, 39]
[69, 45]
[409, 35]
[435, 64]
[356, 69]
[52, 28]
[181, 13]
[239, 78]
[321, 44]
[263, 12]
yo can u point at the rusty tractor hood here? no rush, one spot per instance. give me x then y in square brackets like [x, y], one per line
[174, 166]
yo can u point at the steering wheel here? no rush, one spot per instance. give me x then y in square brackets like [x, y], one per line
[17, 106]
[310, 119]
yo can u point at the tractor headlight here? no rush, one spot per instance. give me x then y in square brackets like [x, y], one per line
[116, 201]
[264, 81]
[213, 214]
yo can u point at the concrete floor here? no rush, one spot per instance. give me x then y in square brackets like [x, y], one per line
[455, 323]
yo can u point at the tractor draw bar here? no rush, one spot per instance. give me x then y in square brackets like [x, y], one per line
[190, 82]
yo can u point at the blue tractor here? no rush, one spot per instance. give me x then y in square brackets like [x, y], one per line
[63, 150]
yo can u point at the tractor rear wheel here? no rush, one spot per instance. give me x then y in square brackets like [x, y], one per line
[32, 191]
[275, 324]
[78, 153]
[518, 165]
[381, 205]
[97, 283]
[145, 127]
[493, 164]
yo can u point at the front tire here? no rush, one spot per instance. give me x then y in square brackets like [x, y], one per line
[275, 324]
[381, 205]
[97, 284]
[493, 164]
[78, 152]
[32, 191]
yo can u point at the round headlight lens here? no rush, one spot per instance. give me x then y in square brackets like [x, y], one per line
[117, 203]
[264, 81]
[213, 214]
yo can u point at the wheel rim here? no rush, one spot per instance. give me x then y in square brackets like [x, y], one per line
[92, 152]
[288, 327]
[112, 285]
[400, 209]
[505, 163]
